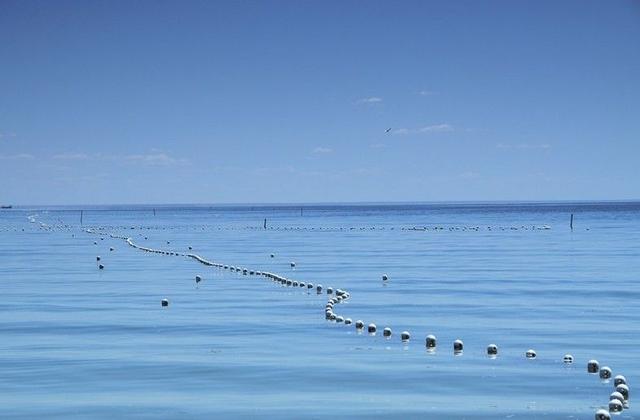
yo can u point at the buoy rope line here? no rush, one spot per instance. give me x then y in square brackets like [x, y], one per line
[413, 228]
[618, 400]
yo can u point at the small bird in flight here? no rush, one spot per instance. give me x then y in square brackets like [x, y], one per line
[387, 130]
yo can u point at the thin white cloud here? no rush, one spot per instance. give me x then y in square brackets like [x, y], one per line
[70, 156]
[370, 100]
[155, 159]
[18, 156]
[523, 146]
[469, 175]
[322, 150]
[437, 128]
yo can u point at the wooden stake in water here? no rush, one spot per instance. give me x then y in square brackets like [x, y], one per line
[81, 214]
[571, 222]
[265, 223]
[154, 212]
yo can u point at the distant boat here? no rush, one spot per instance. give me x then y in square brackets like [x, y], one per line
[6, 207]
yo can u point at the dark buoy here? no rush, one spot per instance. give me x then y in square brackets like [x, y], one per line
[272, 256]
[385, 277]
[359, 324]
[111, 248]
[293, 264]
[386, 332]
[347, 321]
[605, 373]
[164, 302]
[458, 346]
[98, 258]
[619, 379]
[615, 406]
[602, 415]
[593, 366]
[492, 350]
[198, 279]
[190, 248]
[405, 336]
[567, 359]
[101, 267]
[624, 390]
[531, 354]
[431, 342]
[371, 328]
[329, 290]
[319, 288]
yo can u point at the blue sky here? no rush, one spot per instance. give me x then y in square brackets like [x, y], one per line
[289, 101]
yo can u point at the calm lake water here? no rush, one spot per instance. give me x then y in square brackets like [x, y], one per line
[78, 342]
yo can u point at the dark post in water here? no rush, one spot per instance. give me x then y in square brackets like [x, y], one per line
[265, 223]
[81, 212]
[571, 222]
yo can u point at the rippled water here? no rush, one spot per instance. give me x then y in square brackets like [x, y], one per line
[80, 342]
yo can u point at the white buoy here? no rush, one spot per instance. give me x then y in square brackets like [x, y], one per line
[531, 354]
[605, 373]
[593, 366]
[385, 277]
[458, 346]
[347, 321]
[619, 379]
[492, 350]
[567, 359]
[615, 406]
[386, 332]
[616, 396]
[359, 324]
[624, 390]
[164, 302]
[371, 328]
[602, 415]
[431, 342]
[405, 336]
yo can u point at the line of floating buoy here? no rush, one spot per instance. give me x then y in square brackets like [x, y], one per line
[618, 400]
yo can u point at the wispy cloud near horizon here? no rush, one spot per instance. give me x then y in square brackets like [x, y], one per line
[542, 146]
[156, 159]
[371, 100]
[437, 128]
[17, 156]
[70, 156]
